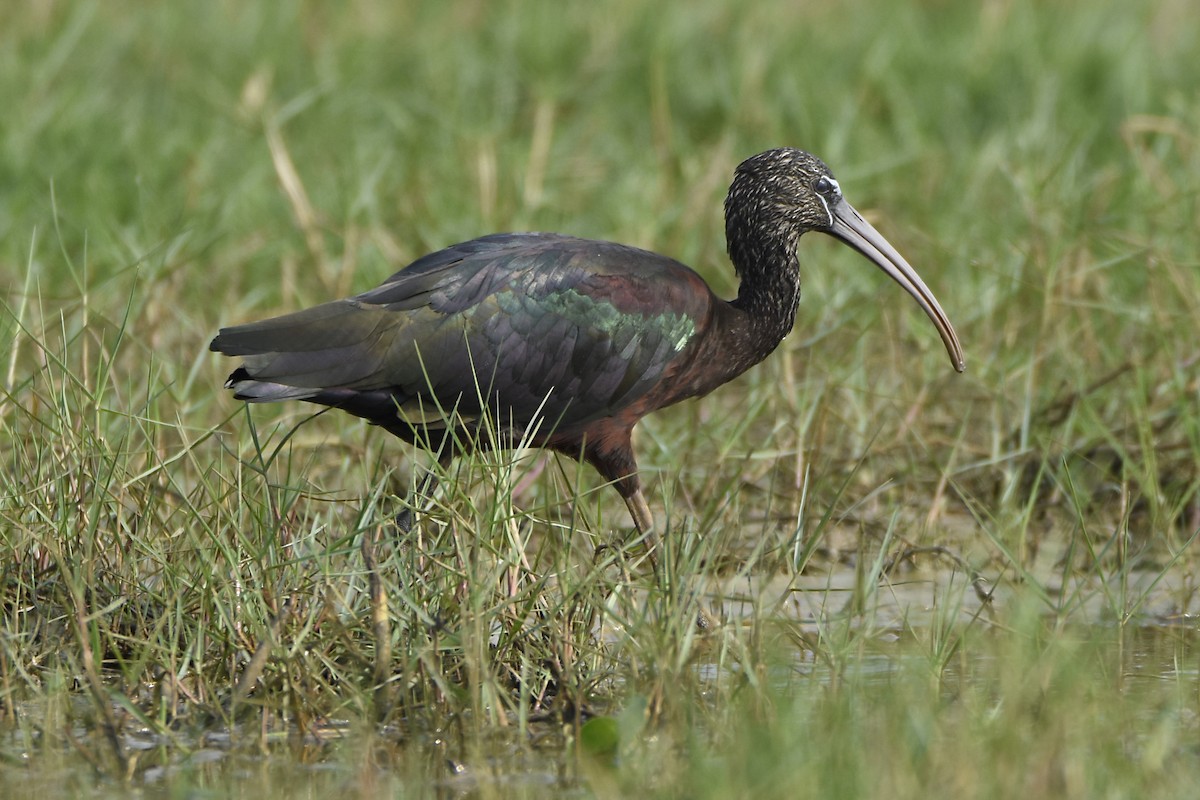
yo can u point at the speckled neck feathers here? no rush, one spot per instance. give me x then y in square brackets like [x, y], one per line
[762, 247]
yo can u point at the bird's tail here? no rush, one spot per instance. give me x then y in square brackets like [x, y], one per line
[255, 391]
[301, 355]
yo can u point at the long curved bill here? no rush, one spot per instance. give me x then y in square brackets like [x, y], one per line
[851, 228]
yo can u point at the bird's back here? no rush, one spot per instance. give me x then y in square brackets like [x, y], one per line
[534, 325]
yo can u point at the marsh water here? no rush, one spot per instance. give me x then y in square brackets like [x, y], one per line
[1150, 659]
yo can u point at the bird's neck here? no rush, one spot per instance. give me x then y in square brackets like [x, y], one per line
[768, 295]
[748, 328]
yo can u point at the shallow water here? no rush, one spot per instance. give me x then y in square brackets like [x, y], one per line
[1150, 661]
[1144, 598]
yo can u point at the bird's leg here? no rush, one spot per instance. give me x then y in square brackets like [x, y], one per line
[639, 509]
[422, 498]
[643, 521]
[630, 488]
[612, 456]
[381, 623]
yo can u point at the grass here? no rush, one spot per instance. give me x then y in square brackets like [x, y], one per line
[184, 587]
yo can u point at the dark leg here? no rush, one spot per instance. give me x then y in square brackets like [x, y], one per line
[381, 625]
[422, 498]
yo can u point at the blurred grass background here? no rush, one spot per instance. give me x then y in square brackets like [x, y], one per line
[167, 169]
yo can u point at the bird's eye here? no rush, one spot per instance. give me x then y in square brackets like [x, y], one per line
[823, 185]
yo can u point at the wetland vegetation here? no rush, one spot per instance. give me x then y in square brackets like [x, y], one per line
[915, 583]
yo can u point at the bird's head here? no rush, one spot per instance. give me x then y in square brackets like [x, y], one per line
[778, 195]
[784, 192]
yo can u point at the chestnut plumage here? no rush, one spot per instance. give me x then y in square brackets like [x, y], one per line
[559, 342]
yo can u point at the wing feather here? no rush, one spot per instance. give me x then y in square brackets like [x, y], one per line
[524, 319]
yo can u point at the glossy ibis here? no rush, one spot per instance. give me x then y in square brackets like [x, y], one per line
[563, 343]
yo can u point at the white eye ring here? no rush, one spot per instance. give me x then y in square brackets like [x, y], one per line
[826, 185]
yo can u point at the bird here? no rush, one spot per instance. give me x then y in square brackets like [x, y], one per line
[563, 343]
